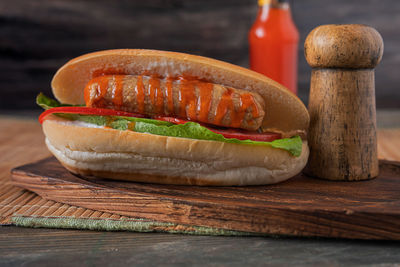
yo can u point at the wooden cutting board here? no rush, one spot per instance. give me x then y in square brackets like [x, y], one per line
[301, 206]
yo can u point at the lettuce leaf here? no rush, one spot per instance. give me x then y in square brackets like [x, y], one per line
[47, 103]
[196, 131]
[191, 130]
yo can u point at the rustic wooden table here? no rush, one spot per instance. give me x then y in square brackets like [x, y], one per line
[42, 247]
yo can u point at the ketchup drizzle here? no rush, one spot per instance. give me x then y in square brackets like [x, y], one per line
[191, 107]
[156, 95]
[204, 101]
[187, 98]
[169, 96]
[139, 90]
[117, 96]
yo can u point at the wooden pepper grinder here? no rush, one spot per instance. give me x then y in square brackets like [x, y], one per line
[342, 134]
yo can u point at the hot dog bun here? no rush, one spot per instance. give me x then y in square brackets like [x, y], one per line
[132, 156]
[145, 157]
[284, 111]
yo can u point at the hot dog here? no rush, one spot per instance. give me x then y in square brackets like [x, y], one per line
[173, 118]
[185, 98]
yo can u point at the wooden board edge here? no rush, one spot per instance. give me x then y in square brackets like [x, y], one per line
[264, 221]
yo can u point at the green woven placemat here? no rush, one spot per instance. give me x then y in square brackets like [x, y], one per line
[135, 225]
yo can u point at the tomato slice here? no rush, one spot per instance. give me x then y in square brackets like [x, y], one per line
[247, 135]
[172, 120]
[88, 111]
[230, 133]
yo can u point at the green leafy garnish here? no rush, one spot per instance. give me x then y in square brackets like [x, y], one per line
[47, 103]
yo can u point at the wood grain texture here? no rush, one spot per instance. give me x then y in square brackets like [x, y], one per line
[351, 46]
[39, 36]
[342, 133]
[299, 207]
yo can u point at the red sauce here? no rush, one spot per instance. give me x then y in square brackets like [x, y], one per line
[273, 42]
[187, 98]
[191, 107]
[246, 100]
[155, 95]
[139, 90]
[101, 85]
[204, 101]
[159, 99]
[225, 103]
[117, 96]
[169, 96]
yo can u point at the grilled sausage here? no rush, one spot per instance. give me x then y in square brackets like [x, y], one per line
[189, 99]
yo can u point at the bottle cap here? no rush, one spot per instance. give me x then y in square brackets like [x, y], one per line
[271, 2]
[264, 2]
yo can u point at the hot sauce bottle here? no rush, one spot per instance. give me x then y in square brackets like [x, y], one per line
[273, 42]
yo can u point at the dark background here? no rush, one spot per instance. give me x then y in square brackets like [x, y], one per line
[39, 36]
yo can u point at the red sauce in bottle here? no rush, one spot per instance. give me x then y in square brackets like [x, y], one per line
[273, 42]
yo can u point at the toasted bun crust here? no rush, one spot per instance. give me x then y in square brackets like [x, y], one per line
[284, 111]
[141, 157]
